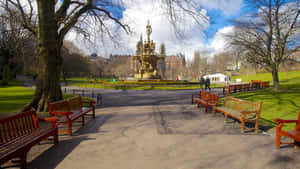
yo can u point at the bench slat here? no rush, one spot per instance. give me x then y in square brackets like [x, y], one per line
[13, 130]
[3, 135]
[19, 133]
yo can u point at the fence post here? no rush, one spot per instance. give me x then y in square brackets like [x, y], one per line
[99, 99]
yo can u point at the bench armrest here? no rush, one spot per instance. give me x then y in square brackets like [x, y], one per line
[50, 119]
[90, 102]
[213, 101]
[285, 121]
[61, 113]
[198, 95]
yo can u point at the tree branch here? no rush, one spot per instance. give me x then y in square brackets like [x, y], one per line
[26, 21]
[72, 21]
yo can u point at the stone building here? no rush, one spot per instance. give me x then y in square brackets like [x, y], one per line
[176, 67]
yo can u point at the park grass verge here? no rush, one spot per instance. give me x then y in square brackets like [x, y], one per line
[142, 85]
[13, 98]
[280, 104]
[284, 103]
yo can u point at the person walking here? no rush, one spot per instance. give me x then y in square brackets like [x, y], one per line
[202, 82]
[207, 83]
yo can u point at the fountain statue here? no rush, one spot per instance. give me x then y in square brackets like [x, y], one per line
[145, 58]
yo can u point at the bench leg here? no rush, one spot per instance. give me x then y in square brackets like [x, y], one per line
[277, 140]
[56, 137]
[225, 120]
[70, 128]
[94, 112]
[242, 124]
[214, 111]
[82, 117]
[23, 160]
[296, 145]
[256, 126]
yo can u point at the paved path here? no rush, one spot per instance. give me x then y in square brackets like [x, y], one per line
[161, 130]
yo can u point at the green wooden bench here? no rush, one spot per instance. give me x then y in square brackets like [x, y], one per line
[242, 110]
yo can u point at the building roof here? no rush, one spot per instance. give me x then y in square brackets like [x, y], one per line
[216, 75]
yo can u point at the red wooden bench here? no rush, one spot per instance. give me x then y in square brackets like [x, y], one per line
[259, 84]
[195, 96]
[68, 111]
[265, 84]
[20, 132]
[207, 99]
[294, 134]
[233, 88]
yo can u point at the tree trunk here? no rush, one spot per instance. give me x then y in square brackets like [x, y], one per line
[50, 60]
[275, 79]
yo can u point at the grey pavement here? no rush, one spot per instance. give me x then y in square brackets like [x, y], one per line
[161, 130]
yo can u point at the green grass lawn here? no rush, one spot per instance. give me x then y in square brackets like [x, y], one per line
[280, 104]
[13, 97]
[290, 80]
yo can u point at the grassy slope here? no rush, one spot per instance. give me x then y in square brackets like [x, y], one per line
[282, 104]
[290, 80]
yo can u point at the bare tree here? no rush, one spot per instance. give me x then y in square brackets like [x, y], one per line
[270, 35]
[12, 40]
[221, 61]
[50, 20]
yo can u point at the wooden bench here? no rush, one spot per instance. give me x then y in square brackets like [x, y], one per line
[244, 111]
[259, 84]
[195, 96]
[207, 99]
[68, 111]
[256, 84]
[20, 132]
[233, 88]
[265, 84]
[294, 134]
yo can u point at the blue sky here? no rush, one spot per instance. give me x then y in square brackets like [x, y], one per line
[137, 12]
[218, 21]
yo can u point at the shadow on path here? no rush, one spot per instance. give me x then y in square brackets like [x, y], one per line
[55, 154]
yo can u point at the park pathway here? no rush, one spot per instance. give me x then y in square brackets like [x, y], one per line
[161, 130]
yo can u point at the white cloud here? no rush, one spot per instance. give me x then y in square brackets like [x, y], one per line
[219, 42]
